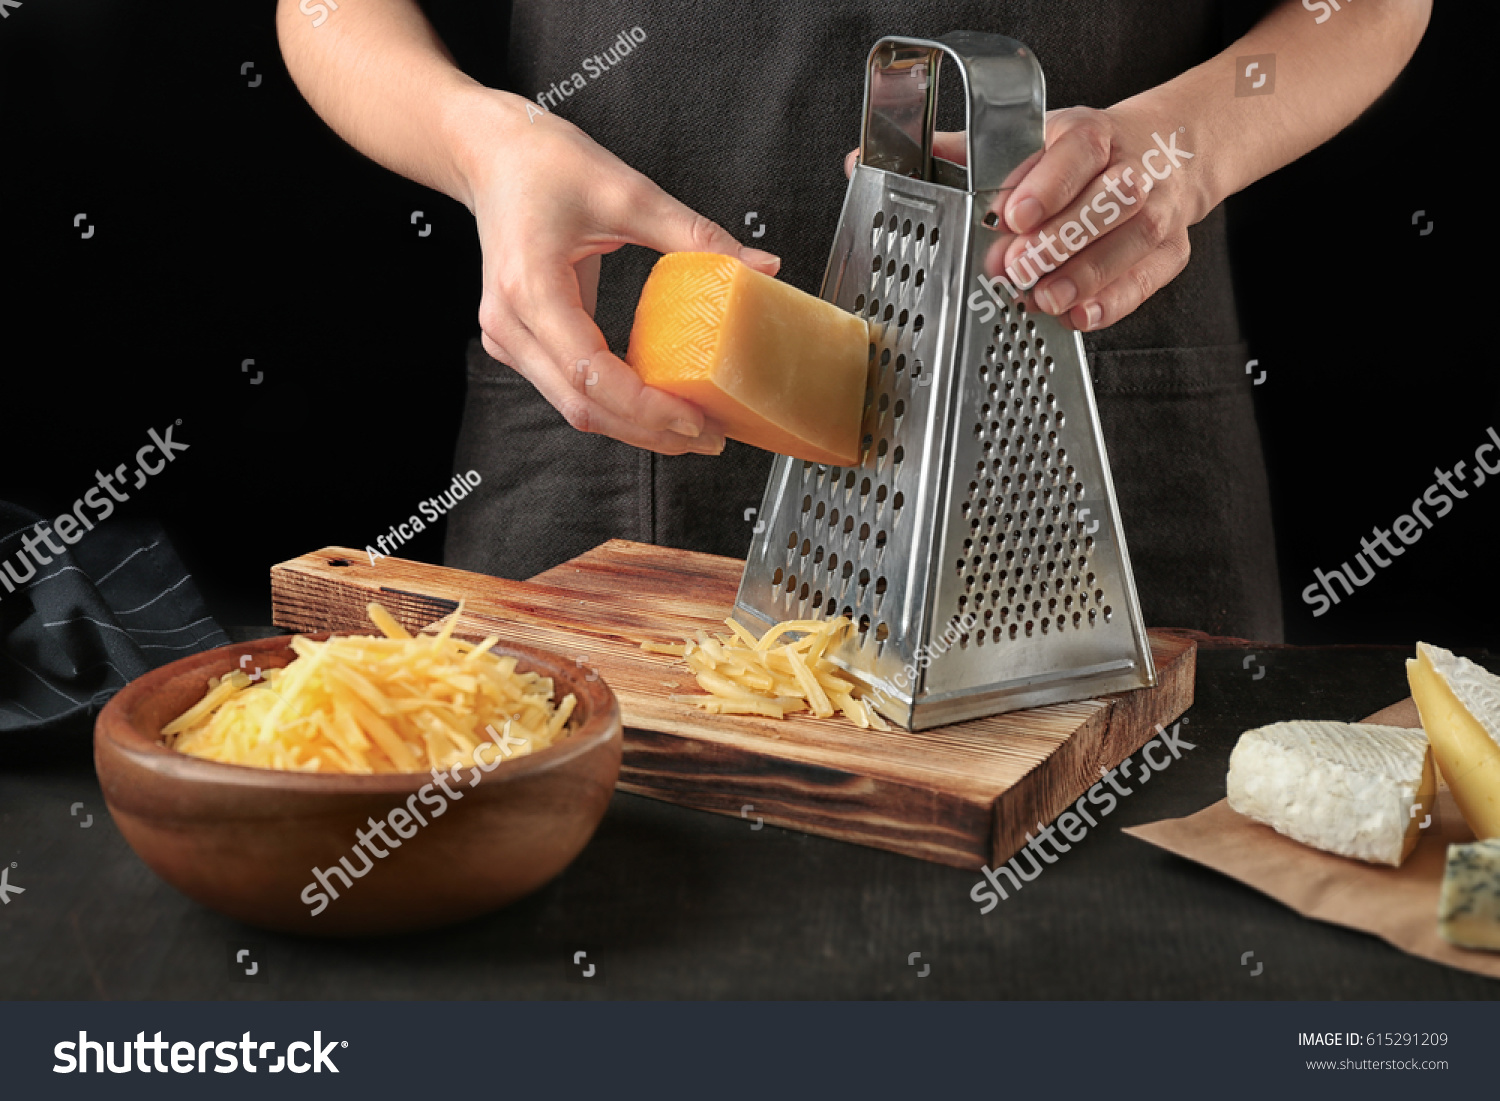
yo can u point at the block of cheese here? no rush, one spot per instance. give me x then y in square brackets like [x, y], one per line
[1469, 907]
[778, 368]
[1354, 789]
[1460, 707]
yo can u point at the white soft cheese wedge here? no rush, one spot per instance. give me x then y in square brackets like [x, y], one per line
[1469, 908]
[1349, 788]
[1460, 706]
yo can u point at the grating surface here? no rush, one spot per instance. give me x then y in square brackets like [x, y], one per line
[836, 558]
[1025, 566]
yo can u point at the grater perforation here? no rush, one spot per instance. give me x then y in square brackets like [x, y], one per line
[976, 546]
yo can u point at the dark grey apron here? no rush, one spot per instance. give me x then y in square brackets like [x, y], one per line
[734, 110]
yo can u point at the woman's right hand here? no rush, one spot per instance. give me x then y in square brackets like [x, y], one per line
[549, 202]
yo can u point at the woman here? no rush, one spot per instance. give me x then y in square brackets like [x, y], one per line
[659, 123]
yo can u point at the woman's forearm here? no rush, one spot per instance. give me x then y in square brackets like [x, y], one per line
[377, 73]
[1326, 75]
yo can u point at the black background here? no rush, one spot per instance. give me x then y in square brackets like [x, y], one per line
[232, 224]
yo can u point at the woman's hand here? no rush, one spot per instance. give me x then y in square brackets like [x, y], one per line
[1100, 219]
[549, 201]
[1097, 222]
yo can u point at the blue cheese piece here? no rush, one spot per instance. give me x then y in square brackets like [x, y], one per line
[1469, 908]
[1354, 789]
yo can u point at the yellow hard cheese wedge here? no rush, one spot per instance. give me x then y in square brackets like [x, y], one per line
[1460, 707]
[778, 368]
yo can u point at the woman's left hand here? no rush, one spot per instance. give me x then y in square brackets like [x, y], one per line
[1097, 222]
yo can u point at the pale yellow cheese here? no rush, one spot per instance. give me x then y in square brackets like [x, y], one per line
[778, 368]
[1460, 707]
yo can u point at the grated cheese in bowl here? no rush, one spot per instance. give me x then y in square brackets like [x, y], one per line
[356, 704]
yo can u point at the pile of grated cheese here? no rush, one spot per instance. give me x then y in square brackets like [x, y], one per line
[745, 675]
[360, 704]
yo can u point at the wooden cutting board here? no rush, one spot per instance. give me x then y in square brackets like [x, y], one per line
[964, 795]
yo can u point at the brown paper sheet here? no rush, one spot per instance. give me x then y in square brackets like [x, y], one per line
[1399, 905]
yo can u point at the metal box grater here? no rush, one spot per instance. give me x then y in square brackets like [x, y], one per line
[977, 545]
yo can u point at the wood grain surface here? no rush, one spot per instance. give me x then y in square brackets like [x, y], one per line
[964, 795]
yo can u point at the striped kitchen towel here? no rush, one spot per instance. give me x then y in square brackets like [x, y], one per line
[78, 621]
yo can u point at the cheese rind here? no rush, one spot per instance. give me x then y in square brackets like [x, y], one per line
[1469, 906]
[1460, 707]
[1354, 789]
[778, 368]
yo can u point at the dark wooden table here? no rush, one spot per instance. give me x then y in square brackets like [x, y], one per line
[672, 903]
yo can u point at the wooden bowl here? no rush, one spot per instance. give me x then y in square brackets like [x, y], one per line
[245, 841]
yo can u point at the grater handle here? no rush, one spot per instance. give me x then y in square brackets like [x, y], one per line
[1003, 90]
